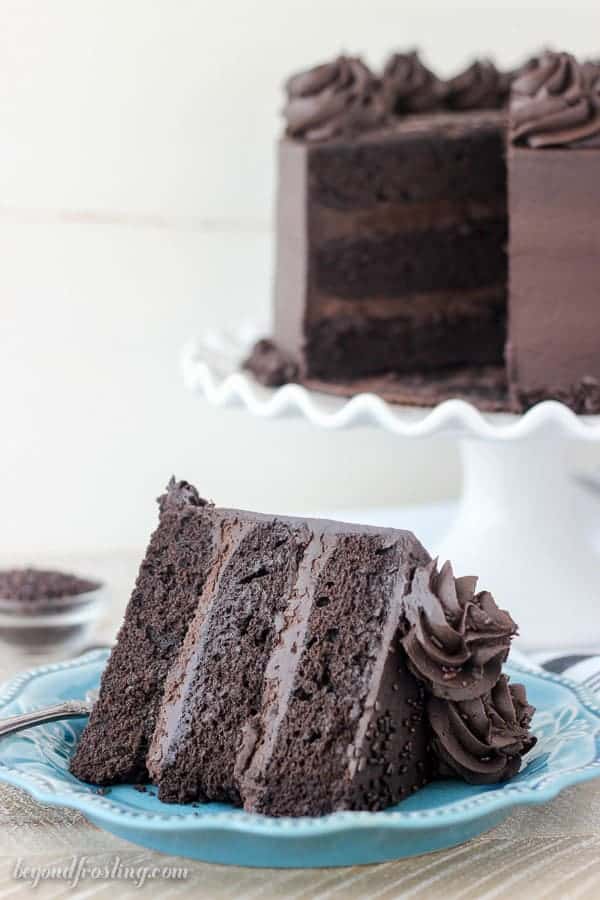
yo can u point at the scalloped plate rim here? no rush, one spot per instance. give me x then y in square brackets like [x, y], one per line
[239, 387]
[459, 812]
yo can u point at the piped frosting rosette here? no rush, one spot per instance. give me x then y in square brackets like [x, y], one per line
[342, 97]
[480, 86]
[456, 640]
[482, 740]
[409, 86]
[556, 103]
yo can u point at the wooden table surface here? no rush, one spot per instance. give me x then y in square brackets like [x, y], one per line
[552, 851]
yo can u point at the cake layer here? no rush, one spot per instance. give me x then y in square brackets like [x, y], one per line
[343, 725]
[445, 158]
[393, 215]
[432, 334]
[114, 745]
[459, 258]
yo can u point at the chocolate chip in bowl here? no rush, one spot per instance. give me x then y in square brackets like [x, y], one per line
[46, 612]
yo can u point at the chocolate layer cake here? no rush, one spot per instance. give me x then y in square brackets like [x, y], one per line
[297, 666]
[392, 228]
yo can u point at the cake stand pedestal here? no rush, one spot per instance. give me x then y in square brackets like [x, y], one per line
[518, 528]
[517, 525]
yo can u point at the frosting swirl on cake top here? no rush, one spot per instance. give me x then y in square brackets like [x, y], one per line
[455, 640]
[409, 86]
[482, 740]
[342, 97]
[480, 86]
[556, 103]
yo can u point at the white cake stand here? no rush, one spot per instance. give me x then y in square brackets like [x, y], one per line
[517, 525]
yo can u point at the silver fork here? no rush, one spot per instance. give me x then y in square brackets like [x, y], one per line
[69, 709]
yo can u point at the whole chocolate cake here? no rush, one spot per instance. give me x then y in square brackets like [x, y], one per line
[300, 666]
[392, 273]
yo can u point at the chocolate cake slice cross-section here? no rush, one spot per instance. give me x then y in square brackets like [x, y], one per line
[391, 248]
[278, 700]
[289, 666]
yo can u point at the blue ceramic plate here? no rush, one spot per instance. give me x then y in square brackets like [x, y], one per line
[567, 724]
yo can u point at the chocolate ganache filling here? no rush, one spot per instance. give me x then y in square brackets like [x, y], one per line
[556, 104]
[480, 86]
[482, 740]
[409, 86]
[455, 640]
[342, 97]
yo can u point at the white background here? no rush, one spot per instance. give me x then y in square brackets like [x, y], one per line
[136, 179]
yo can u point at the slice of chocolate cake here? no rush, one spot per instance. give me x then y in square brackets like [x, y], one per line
[230, 575]
[291, 666]
[291, 695]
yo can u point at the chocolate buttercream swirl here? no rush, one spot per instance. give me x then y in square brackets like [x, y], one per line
[482, 740]
[409, 86]
[480, 86]
[456, 640]
[180, 495]
[342, 97]
[556, 103]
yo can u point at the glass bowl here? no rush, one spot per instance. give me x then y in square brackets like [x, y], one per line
[63, 626]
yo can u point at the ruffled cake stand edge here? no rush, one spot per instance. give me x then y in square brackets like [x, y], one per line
[517, 524]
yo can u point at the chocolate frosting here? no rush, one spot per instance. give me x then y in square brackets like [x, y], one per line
[342, 97]
[556, 103]
[270, 364]
[455, 640]
[480, 86]
[409, 86]
[180, 495]
[583, 397]
[482, 740]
